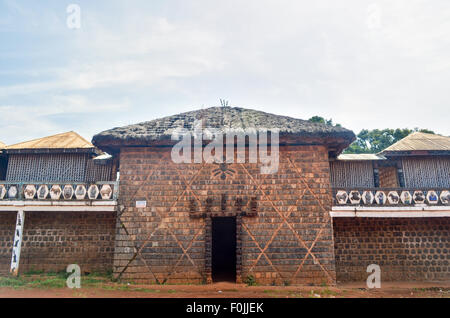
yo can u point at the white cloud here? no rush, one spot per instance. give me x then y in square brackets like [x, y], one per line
[287, 57]
[24, 122]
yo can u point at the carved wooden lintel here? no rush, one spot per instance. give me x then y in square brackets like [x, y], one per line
[224, 207]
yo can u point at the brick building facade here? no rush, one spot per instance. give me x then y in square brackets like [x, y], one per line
[319, 218]
[276, 226]
[7, 226]
[406, 249]
[56, 206]
[400, 219]
[286, 236]
[53, 240]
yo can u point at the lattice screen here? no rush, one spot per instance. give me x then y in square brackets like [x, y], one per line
[351, 174]
[427, 172]
[95, 172]
[47, 167]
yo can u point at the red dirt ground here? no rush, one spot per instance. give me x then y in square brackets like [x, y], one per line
[230, 290]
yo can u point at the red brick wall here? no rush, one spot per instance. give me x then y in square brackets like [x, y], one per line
[52, 240]
[388, 177]
[289, 241]
[405, 248]
[7, 226]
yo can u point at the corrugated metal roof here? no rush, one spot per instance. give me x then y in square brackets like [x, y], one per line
[360, 156]
[421, 141]
[68, 140]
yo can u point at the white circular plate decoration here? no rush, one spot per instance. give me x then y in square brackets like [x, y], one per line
[29, 192]
[380, 197]
[432, 197]
[406, 197]
[393, 197]
[42, 192]
[367, 197]
[445, 197]
[93, 192]
[12, 192]
[354, 197]
[106, 192]
[80, 192]
[419, 197]
[2, 191]
[68, 192]
[341, 197]
[55, 192]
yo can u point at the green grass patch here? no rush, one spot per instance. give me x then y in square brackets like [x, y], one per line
[34, 272]
[32, 282]
[49, 283]
[250, 280]
[12, 282]
[146, 290]
[328, 292]
[51, 280]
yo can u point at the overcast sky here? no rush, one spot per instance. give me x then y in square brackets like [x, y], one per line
[365, 64]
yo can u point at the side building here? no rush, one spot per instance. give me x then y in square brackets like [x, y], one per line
[57, 205]
[393, 209]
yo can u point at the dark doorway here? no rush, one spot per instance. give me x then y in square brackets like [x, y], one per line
[223, 249]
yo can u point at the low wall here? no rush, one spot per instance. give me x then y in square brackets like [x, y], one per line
[7, 226]
[406, 249]
[53, 240]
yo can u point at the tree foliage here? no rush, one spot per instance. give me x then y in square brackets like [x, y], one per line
[318, 119]
[376, 140]
[372, 141]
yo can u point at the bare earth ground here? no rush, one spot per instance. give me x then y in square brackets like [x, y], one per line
[229, 290]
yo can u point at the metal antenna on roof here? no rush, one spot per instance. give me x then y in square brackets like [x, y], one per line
[223, 102]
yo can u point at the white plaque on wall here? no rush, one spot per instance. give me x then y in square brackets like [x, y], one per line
[141, 204]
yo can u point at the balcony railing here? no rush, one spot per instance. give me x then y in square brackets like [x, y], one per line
[54, 191]
[390, 197]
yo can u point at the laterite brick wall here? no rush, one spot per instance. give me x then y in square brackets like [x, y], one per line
[7, 226]
[289, 240]
[405, 248]
[388, 177]
[53, 240]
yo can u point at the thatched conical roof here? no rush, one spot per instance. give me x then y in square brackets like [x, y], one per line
[159, 131]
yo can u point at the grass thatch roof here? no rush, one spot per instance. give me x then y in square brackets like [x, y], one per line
[159, 131]
[67, 142]
[419, 141]
[2, 145]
